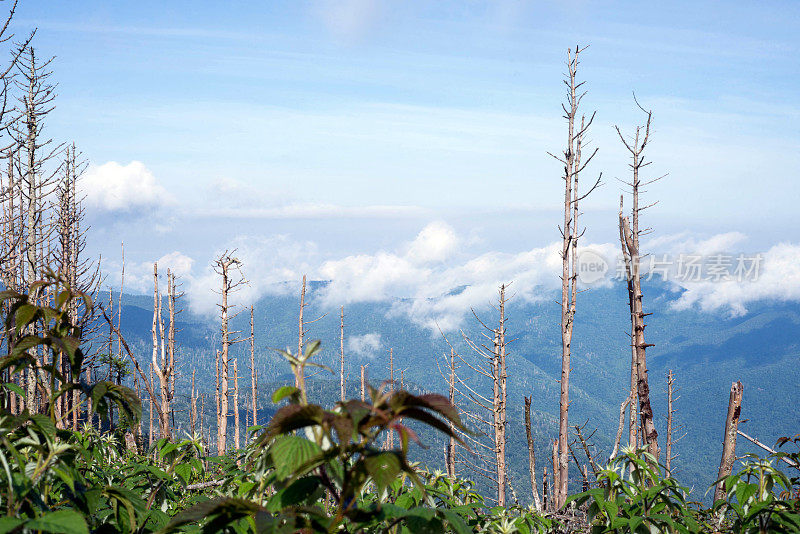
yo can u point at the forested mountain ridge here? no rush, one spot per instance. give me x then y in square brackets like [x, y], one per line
[705, 351]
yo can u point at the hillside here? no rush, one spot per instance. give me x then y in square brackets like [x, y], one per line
[705, 351]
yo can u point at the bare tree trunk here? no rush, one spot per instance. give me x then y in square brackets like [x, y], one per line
[637, 318]
[236, 421]
[502, 468]
[150, 412]
[300, 379]
[628, 401]
[545, 491]
[531, 455]
[629, 236]
[165, 369]
[556, 474]
[363, 384]
[390, 436]
[569, 277]
[450, 458]
[729, 438]
[217, 397]
[341, 357]
[670, 411]
[223, 266]
[193, 407]
[253, 372]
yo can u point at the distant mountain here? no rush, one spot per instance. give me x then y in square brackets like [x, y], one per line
[706, 352]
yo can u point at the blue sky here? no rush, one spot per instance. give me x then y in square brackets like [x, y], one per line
[353, 124]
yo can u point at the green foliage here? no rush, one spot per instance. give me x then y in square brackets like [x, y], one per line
[634, 496]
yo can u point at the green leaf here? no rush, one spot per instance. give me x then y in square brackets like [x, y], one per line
[383, 468]
[283, 392]
[62, 521]
[306, 489]
[456, 522]
[289, 453]
[25, 315]
[14, 388]
[8, 524]
[293, 417]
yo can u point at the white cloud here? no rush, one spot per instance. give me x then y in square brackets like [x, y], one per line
[778, 278]
[365, 346]
[435, 285]
[266, 263]
[123, 188]
[435, 243]
[139, 275]
[180, 264]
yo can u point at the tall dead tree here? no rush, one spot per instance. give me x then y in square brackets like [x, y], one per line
[630, 232]
[193, 407]
[729, 438]
[236, 422]
[253, 371]
[531, 455]
[482, 389]
[164, 350]
[38, 179]
[231, 281]
[302, 331]
[390, 435]
[450, 451]
[570, 233]
[341, 357]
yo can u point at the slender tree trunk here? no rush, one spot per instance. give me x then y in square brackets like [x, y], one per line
[236, 436]
[729, 438]
[545, 491]
[640, 346]
[556, 474]
[502, 468]
[193, 407]
[341, 357]
[390, 436]
[451, 445]
[668, 459]
[253, 372]
[531, 454]
[150, 412]
[363, 384]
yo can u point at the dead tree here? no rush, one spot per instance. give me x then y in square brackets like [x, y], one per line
[193, 407]
[672, 426]
[38, 178]
[341, 357]
[628, 401]
[164, 350]
[729, 438]
[481, 387]
[390, 435]
[236, 422]
[300, 378]
[629, 238]
[253, 372]
[363, 382]
[531, 455]
[450, 451]
[570, 233]
[224, 266]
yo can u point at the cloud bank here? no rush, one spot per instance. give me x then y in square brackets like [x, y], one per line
[112, 187]
[435, 280]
